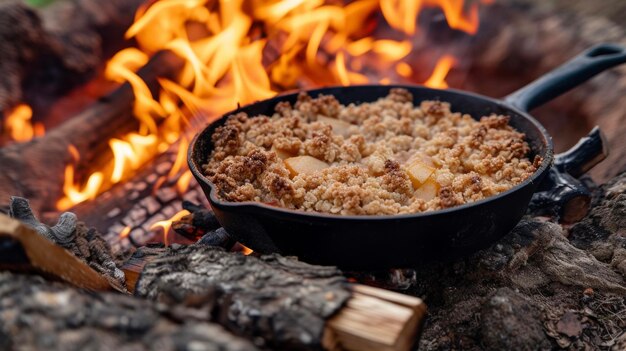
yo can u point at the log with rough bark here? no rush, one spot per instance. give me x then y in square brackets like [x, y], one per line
[47, 50]
[35, 169]
[280, 302]
[276, 301]
[36, 314]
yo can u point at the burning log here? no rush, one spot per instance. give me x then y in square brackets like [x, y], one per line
[36, 169]
[281, 302]
[50, 49]
[37, 314]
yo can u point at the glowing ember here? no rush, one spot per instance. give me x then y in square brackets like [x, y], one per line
[125, 232]
[238, 52]
[166, 225]
[246, 251]
[18, 125]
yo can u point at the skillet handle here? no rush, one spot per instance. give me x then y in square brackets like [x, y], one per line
[569, 75]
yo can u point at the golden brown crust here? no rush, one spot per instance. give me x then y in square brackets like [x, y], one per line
[368, 163]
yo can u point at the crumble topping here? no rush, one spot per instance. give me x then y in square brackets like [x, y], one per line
[383, 157]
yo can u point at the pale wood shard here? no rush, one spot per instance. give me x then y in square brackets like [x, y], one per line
[44, 256]
[376, 319]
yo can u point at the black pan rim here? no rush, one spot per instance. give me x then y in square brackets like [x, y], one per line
[548, 159]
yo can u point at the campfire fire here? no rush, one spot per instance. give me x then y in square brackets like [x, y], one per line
[18, 125]
[238, 52]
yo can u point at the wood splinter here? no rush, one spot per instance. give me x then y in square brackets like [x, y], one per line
[376, 319]
[23, 249]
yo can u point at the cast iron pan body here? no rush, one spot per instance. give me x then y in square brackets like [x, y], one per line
[370, 242]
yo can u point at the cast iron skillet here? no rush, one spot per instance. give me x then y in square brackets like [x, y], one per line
[368, 242]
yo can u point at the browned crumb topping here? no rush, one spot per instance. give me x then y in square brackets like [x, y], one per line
[384, 157]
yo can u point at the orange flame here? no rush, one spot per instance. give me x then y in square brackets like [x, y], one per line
[74, 194]
[18, 125]
[183, 182]
[246, 250]
[166, 225]
[240, 51]
[442, 68]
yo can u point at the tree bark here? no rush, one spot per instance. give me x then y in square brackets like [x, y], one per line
[37, 314]
[280, 301]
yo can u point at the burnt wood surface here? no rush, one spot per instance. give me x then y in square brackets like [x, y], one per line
[198, 223]
[279, 302]
[45, 51]
[23, 249]
[40, 315]
[35, 169]
[76, 237]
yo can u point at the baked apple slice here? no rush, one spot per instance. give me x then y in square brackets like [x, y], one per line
[304, 165]
[428, 190]
[282, 154]
[419, 172]
[339, 127]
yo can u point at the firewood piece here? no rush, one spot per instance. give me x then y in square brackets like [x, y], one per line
[376, 319]
[196, 224]
[48, 50]
[281, 302]
[35, 169]
[39, 254]
[85, 243]
[133, 267]
[218, 237]
[19, 209]
[37, 314]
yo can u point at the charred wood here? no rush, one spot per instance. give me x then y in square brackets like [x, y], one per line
[23, 249]
[198, 223]
[218, 237]
[85, 243]
[279, 301]
[37, 314]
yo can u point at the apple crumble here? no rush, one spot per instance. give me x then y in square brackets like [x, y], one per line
[379, 158]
